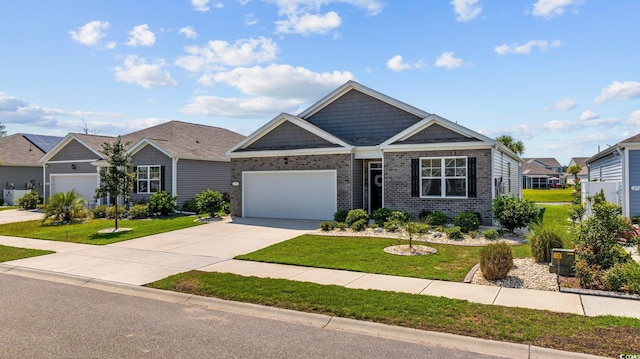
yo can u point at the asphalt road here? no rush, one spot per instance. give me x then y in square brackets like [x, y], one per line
[40, 319]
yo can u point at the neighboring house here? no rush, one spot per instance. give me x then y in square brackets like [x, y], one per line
[583, 175]
[178, 157]
[19, 166]
[620, 163]
[358, 148]
[540, 173]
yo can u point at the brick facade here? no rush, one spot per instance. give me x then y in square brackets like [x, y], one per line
[339, 162]
[397, 185]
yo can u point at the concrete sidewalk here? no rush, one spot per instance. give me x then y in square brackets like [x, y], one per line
[19, 215]
[212, 246]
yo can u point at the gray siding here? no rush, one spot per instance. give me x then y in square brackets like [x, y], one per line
[149, 156]
[606, 169]
[436, 134]
[357, 184]
[362, 120]
[74, 151]
[634, 180]
[506, 174]
[19, 176]
[288, 136]
[197, 176]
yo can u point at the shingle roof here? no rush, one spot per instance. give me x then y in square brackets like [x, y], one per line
[549, 161]
[530, 169]
[16, 150]
[635, 138]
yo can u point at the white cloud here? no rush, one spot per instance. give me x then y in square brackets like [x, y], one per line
[267, 91]
[250, 19]
[551, 8]
[110, 45]
[589, 115]
[141, 36]
[138, 71]
[396, 64]
[307, 24]
[466, 10]
[619, 91]
[203, 5]
[448, 60]
[188, 32]
[634, 119]
[515, 48]
[217, 54]
[556, 125]
[90, 33]
[563, 105]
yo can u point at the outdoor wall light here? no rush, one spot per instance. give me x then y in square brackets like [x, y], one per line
[73, 166]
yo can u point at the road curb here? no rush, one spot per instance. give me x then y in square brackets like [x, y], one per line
[416, 336]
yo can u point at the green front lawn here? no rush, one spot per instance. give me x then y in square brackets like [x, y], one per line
[12, 253]
[606, 335]
[548, 195]
[4, 208]
[88, 232]
[365, 254]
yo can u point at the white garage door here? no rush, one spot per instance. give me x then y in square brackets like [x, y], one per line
[289, 194]
[84, 184]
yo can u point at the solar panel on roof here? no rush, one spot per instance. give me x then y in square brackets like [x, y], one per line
[45, 143]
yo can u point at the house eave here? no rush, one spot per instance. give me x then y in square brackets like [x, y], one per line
[436, 147]
[296, 152]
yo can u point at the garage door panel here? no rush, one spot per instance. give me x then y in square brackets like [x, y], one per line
[290, 194]
[84, 185]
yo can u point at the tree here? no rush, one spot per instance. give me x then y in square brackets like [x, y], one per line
[574, 170]
[86, 130]
[3, 132]
[516, 146]
[116, 180]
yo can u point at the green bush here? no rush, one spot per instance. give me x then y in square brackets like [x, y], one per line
[467, 221]
[631, 271]
[359, 225]
[490, 234]
[589, 276]
[577, 212]
[542, 240]
[496, 260]
[374, 226]
[437, 218]
[512, 212]
[190, 205]
[380, 215]
[455, 233]
[424, 214]
[210, 202]
[392, 226]
[400, 216]
[111, 212]
[355, 215]
[422, 228]
[162, 202]
[100, 211]
[341, 226]
[1, 201]
[473, 234]
[341, 216]
[615, 278]
[30, 200]
[327, 226]
[139, 211]
[65, 207]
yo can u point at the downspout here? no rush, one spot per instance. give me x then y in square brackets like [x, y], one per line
[44, 182]
[624, 164]
[383, 169]
[174, 178]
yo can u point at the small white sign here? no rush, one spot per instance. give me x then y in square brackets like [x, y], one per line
[635, 188]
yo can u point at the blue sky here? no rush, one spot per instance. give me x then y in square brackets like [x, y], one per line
[563, 76]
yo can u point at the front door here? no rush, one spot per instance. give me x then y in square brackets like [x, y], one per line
[375, 186]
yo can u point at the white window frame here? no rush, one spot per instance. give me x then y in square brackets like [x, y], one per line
[148, 180]
[443, 177]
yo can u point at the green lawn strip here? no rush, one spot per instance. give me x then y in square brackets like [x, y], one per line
[12, 253]
[4, 208]
[558, 215]
[548, 195]
[88, 232]
[365, 254]
[609, 336]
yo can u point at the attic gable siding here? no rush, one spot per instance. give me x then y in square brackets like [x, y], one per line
[436, 134]
[74, 151]
[362, 120]
[288, 136]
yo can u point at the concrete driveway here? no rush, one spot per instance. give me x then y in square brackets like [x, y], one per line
[19, 215]
[144, 260]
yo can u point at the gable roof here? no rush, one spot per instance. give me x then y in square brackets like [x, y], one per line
[92, 142]
[531, 169]
[633, 141]
[18, 150]
[546, 162]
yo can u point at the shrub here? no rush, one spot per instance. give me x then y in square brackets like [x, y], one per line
[100, 211]
[490, 234]
[496, 260]
[512, 212]
[400, 216]
[355, 215]
[542, 240]
[359, 225]
[577, 212]
[467, 221]
[1, 201]
[615, 278]
[190, 205]
[30, 200]
[341, 216]
[374, 226]
[380, 215]
[589, 276]
[455, 233]
[424, 214]
[162, 202]
[392, 226]
[139, 211]
[65, 207]
[473, 234]
[210, 202]
[422, 228]
[341, 226]
[437, 218]
[111, 212]
[327, 226]
[631, 271]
